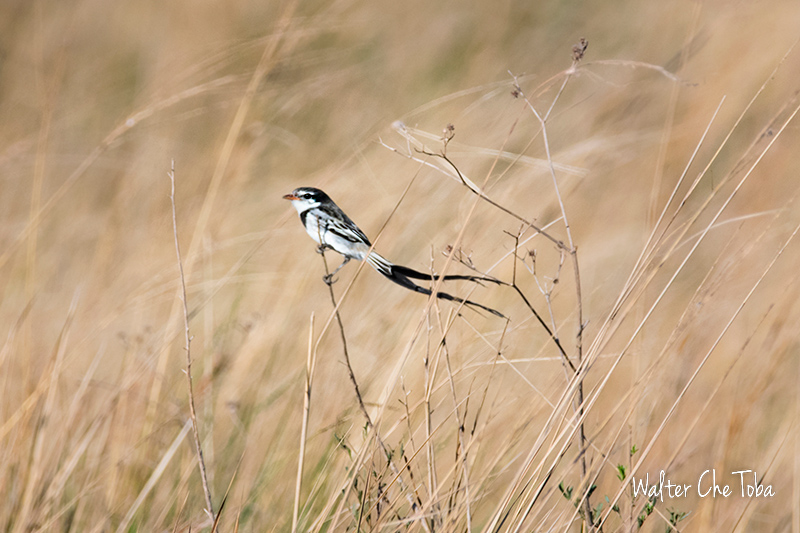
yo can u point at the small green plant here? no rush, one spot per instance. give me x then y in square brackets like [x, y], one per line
[675, 516]
[565, 491]
[649, 507]
[614, 508]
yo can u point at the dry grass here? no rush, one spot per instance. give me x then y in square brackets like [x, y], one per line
[643, 200]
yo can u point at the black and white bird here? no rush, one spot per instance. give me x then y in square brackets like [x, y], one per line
[332, 229]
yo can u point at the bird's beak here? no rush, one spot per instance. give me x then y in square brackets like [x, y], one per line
[290, 197]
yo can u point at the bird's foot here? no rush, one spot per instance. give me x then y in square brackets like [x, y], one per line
[322, 248]
[328, 279]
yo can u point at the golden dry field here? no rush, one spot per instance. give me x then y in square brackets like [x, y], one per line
[638, 199]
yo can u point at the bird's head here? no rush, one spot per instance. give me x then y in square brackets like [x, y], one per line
[304, 198]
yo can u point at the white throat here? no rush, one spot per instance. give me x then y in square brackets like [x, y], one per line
[303, 205]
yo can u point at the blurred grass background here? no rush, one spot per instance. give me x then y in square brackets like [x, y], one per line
[97, 98]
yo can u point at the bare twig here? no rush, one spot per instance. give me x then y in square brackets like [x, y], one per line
[539, 318]
[269, 59]
[459, 176]
[188, 340]
[353, 380]
[573, 251]
[475, 189]
[414, 502]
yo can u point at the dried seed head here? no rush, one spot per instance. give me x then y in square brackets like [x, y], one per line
[579, 50]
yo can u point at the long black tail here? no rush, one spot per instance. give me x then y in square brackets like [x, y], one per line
[400, 275]
[411, 273]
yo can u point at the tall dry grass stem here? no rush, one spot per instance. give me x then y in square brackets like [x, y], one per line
[311, 361]
[201, 464]
[265, 65]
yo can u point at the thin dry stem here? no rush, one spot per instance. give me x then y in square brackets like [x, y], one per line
[414, 504]
[460, 430]
[187, 347]
[265, 64]
[573, 251]
[352, 375]
[310, 364]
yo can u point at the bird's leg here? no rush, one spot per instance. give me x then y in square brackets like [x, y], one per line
[329, 278]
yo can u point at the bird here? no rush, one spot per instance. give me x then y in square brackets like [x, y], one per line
[331, 228]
